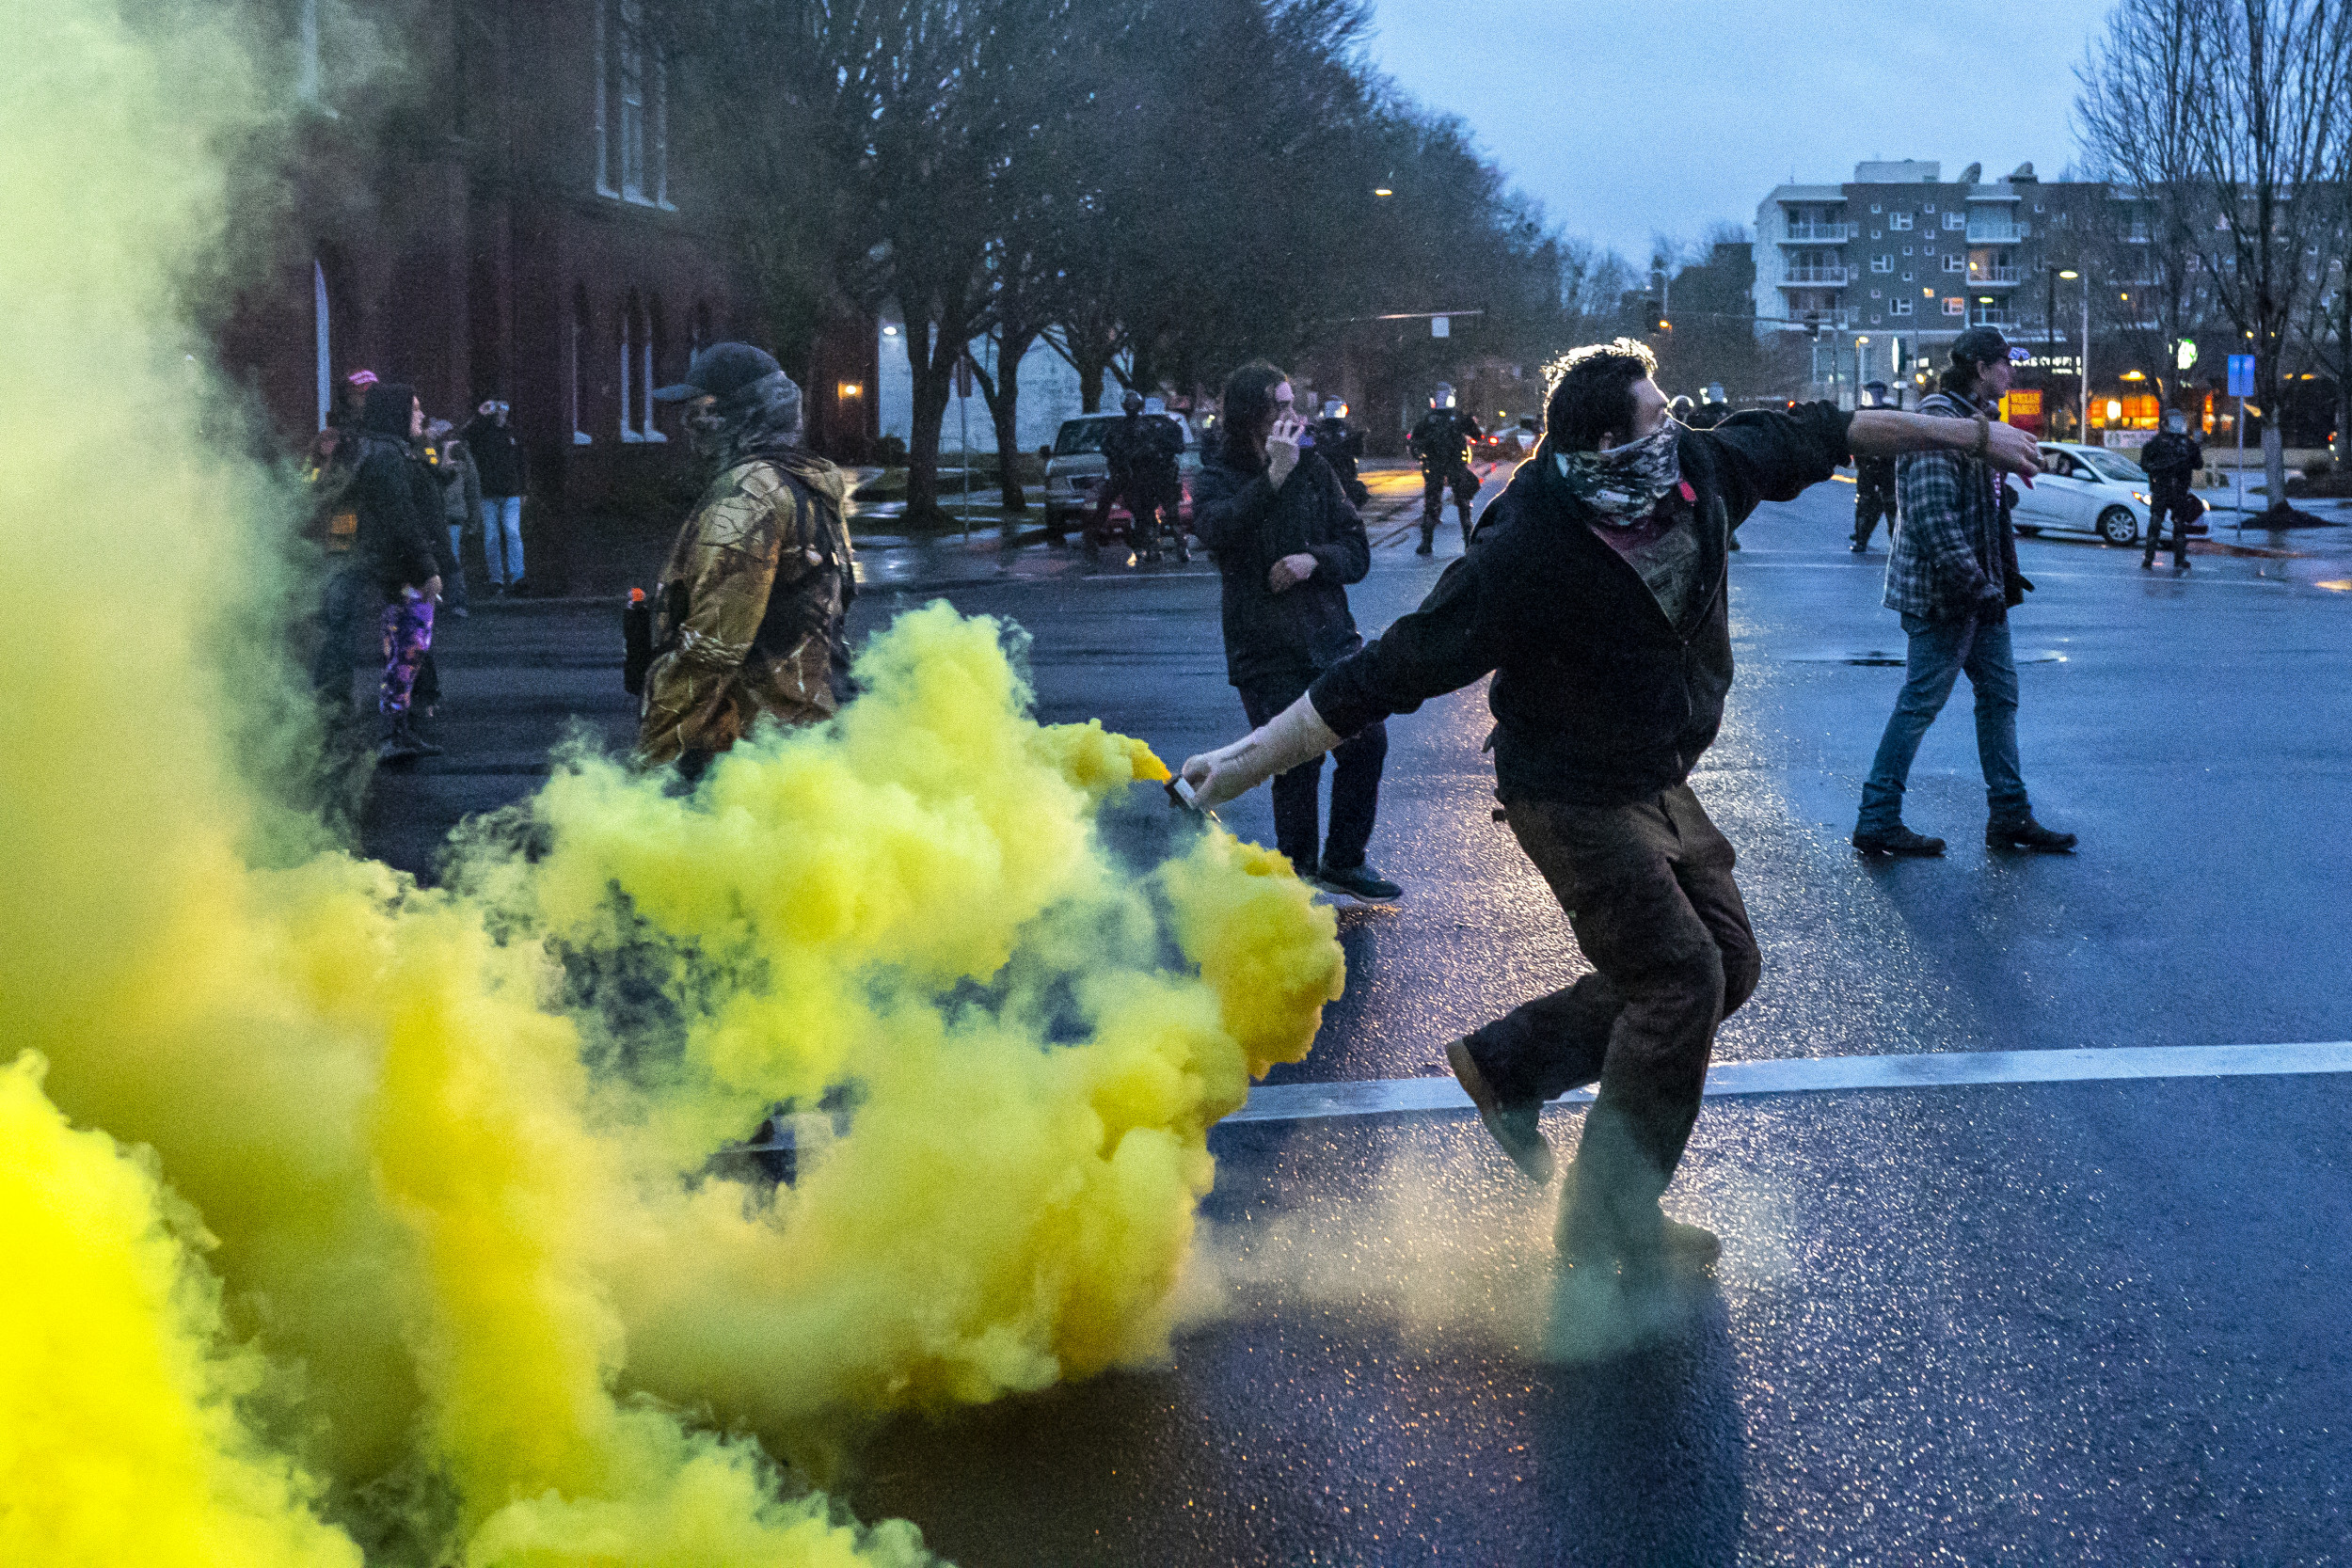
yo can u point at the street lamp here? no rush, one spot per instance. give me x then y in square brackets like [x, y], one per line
[2082, 370]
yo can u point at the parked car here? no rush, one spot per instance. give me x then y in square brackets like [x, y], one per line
[2087, 490]
[1076, 469]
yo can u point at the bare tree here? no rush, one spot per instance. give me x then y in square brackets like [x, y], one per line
[2244, 100]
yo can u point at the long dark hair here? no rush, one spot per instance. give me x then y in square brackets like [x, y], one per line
[1249, 398]
[1962, 375]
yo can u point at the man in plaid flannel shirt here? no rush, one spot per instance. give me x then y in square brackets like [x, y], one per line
[1953, 578]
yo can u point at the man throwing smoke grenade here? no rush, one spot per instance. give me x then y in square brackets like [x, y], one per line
[1597, 596]
[756, 592]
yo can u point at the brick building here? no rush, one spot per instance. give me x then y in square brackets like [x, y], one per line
[502, 209]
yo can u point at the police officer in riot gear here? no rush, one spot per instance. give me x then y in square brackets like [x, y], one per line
[1442, 443]
[1342, 446]
[1712, 410]
[1140, 452]
[1682, 408]
[1874, 483]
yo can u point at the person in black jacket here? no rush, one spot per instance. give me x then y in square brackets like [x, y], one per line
[1874, 485]
[1287, 544]
[2171, 458]
[1343, 448]
[1597, 598]
[399, 502]
[499, 458]
[1443, 441]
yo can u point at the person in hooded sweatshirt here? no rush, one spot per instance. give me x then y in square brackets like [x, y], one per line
[754, 602]
[1597, 597]
[399, 503]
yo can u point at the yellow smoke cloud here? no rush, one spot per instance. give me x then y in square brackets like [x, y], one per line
[458, 1187]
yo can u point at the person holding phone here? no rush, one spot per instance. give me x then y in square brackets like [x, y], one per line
[399, 502]
[1287, 544]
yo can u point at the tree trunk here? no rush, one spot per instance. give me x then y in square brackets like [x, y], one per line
[2274, 457]
[1003, 392]
[935, 376]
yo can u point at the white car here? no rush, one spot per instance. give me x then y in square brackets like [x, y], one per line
[2087, 489]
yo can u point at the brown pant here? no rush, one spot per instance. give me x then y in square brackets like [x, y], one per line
[1648, 890]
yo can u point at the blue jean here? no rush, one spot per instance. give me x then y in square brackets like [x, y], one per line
[454, 584]
[1940, 650]
[502, 538]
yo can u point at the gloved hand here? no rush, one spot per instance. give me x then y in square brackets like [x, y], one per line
[1294, 735]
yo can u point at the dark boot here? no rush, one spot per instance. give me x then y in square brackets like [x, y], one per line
[1609, 1206]
[1896, 840]
[1518, 1129]
[399, 743]
[2026, 834]
[1428, 534]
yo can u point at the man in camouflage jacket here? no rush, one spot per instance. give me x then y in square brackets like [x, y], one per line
[755, 594]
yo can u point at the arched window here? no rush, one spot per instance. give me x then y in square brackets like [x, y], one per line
[324, 332]
[575, 363]
[650, 358]
[626, 326]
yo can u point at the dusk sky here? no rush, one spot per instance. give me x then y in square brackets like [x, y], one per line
[1669, 115]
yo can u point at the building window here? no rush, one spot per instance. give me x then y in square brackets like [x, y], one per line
[1955, 305]
[1955, 220]
[1908, 278]
[1882, 263]
[1874, 206]
[1955, 262]
[1875, 293]
[323, 340]
[574, 364]
[1900, 307]
[627, 324]
[1899, 220]
[1927, 207]
[632, 104]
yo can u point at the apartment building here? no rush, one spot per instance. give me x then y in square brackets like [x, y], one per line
[1885, 269]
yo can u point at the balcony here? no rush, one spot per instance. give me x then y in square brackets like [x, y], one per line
[1994, 276]
[1817, 233]
[1995, 231]
[1816, 277]
[1839, 319]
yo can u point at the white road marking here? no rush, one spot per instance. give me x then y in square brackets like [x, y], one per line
[1804, 1074]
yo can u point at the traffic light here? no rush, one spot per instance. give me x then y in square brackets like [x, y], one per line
[1813, 324]
[1654, 315]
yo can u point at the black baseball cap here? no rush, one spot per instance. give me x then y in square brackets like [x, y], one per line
[720, 371]
[1983, 344]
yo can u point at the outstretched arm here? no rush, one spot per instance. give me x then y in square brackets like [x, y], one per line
[1885, 433]
[1294, 735]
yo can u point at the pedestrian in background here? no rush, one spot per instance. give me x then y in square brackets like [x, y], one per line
[1287, 544]
[1442, 441]
[2171, 457]
[1874, 484]
[346, 590]
[1953, 578]
[461, 503]
[399, 502]
[499, 463]
[1343, 448]
[1597, 597]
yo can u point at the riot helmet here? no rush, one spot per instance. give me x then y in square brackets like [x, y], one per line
[1132, 401]
[1443, 396]
[1334, 409]
[1680, 408]
[1876, 391]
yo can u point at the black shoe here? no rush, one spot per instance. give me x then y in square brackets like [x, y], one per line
[400, 743]
[1896, 840]
[1858, 547]
[2026, 834]
[2147, 562]
[1359, 882]
[1636, 1234]
[1518, 1131]
[2179, 565]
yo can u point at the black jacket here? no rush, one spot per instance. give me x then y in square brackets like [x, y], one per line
[1249, 525]
[1875, 476]
[1598, 699]
[1342, 448]
[2171, 460]
[497, 457]
[401, 537]
[1442, 440]
[1143, 448]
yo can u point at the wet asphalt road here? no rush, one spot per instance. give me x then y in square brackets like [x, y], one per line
[2097, 1322]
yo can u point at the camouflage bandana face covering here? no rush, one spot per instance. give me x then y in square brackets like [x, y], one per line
[1624, 484]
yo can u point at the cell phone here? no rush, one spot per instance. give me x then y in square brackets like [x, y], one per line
[1307, 439]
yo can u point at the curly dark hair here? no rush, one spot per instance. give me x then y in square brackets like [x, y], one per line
[1249, 398]
[1592, 392]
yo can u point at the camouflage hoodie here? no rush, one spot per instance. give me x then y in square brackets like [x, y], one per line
[767, 567]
